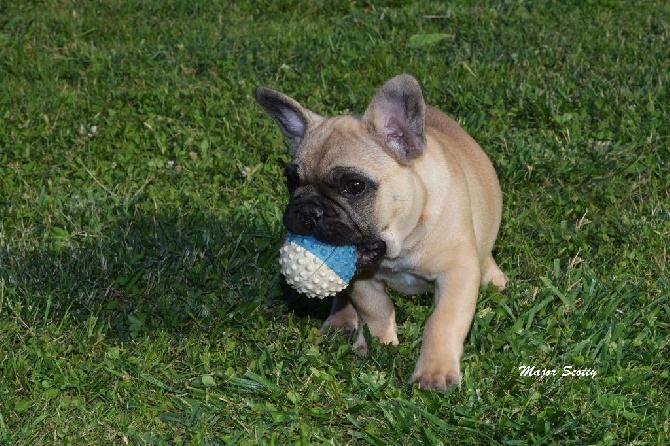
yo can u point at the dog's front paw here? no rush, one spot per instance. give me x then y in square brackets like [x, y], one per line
[435, 375]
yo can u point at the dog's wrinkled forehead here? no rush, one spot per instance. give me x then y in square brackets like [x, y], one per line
[335, 142]
[322, 139]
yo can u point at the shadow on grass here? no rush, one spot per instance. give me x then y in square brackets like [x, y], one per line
[170, 270]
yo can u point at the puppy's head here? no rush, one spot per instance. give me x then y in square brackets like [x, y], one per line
[348, 172]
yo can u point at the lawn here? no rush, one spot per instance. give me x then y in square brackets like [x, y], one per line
[141, 196]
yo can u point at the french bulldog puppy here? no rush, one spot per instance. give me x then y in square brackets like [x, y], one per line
[418, 198]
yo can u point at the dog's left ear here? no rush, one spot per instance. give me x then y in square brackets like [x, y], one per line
[396, 118]
[293, 119]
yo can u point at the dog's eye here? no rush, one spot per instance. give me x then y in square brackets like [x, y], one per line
[354, 187]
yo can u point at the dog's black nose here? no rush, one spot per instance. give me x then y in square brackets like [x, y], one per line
[310, 214]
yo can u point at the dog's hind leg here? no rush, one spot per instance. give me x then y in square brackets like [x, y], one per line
[342, 315]
[492, 274]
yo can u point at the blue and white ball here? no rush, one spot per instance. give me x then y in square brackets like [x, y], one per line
[315, 268]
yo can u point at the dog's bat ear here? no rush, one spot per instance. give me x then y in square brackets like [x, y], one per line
[396, 118]
[293, 119]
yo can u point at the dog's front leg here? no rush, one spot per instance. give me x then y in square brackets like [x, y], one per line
[438, 367]
[375, 309]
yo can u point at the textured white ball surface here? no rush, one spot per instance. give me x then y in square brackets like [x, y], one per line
[303, 266]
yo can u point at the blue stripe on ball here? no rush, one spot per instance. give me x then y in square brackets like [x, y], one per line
[341, 259]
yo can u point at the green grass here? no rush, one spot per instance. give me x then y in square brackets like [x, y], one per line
[140, 215]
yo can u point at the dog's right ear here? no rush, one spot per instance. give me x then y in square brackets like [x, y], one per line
[396, 118]
[293, 119]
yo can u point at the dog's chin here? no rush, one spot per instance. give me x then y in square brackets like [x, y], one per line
[370, 254]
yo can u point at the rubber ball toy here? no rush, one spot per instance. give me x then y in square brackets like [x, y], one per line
[314, 268]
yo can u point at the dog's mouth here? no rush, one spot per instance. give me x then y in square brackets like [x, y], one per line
[368, 255]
